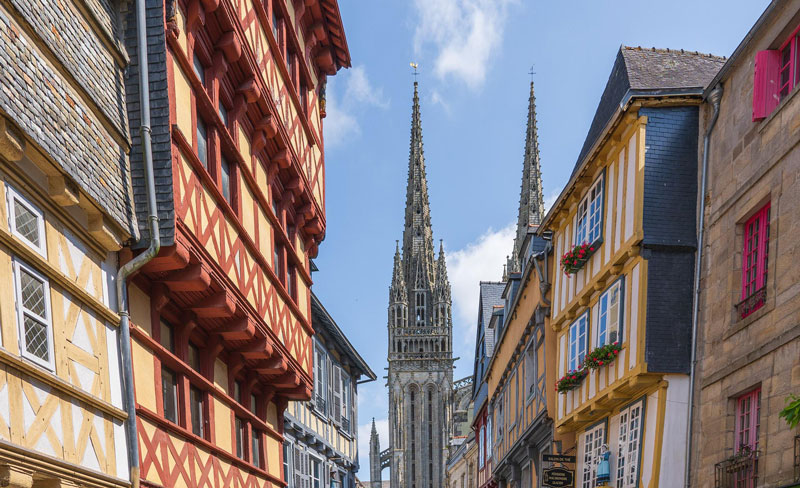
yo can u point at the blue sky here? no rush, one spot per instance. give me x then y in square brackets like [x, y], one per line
[474, 57]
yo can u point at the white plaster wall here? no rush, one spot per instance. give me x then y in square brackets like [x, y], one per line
[673, 449]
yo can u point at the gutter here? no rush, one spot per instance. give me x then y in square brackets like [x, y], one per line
[714, 97]
[136, 263]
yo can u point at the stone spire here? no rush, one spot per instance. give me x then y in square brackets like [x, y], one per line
[531, 200]
[374, 457]
[417, 235]
[442, 283]
[398, 292]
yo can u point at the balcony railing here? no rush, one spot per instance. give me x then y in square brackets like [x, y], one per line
[738, 471]
[797, 458]
[752, 303]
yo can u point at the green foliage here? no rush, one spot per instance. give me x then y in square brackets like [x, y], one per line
[791, 413]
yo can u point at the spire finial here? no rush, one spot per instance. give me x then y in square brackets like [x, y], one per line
[532, 72]
[415, 66]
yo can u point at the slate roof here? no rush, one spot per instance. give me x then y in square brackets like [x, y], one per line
[323, 323]
[491, 295]
[649, 71]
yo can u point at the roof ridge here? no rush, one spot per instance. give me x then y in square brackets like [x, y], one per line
[668, 50]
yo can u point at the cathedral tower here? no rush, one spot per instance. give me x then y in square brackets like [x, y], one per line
[420, 354]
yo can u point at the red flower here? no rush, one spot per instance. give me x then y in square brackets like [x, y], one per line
[601, 363]
[574, 377]
[616, 351]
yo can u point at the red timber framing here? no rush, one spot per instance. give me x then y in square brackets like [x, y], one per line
[249, 215]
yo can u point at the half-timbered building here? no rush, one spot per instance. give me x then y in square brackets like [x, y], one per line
[65, 209]
[624, 229]
[321, 444]
[221, 317]
[748, 337]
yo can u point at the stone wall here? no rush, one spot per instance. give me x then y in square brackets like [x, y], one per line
[750, 164]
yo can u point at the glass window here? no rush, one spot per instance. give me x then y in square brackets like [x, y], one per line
[481, 446]
[223, 113]
[240, 435]
[276, 27]
[169, 393]
[225, 179]
[291, 285]
[237, 391]
[202, 142]
[26, 221]
[167, 336]
[199, 69]
[577, 341]
[196, 405]
[193, 357]
[316, 473]
[531, 367]
[629, 445]
[254, 404]
[590, 215]
[592, 440]
[33, 314]
[287, 457]
[748, 410]
[754, 261]
[319, 380]
[609, 315]
[278, 263]
[255, 448]
[345, 401]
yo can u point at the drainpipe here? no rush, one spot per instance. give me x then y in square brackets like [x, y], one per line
[136, 263]
[714, 97]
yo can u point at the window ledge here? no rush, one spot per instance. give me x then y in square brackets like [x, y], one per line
[740, 324]
[763, 124]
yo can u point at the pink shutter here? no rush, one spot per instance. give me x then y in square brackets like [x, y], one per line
[765, 83]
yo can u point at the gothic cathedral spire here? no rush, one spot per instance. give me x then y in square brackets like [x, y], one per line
[417, 235]
[531, 200]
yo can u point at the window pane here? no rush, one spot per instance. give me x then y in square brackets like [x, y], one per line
[255, 449]
[36, 338]
[223, 113]
[33, 294]
[196, 401]
[26, 222]
[167, 339]
[253, 403]
[226, 179]
[239, 438]
[199, 69]
[169, 392]
[237, 391]
[202, 142]
[194, 357]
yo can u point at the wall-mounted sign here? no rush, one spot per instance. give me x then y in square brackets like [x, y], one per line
[558, 477]
[557, 458]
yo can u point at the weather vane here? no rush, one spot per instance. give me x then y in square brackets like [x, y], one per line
[415, 66]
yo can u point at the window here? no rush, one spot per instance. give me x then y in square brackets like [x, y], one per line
[754, 261]
[199, 69]
[26, 221]
[225, 179]
[193, 357]
[777, 72]
[278, 263]
[591, 441]
[531, 368]
[590, 215]
[240, 436]
[419, 308]
[196, 406]
[33, 314]
[609, 315]
[500, 418]
[255, 448]
[488, 437]
[202, 143]
[276, 27]
[291, 281]
[237, 391]
[630, 436]
[577, 341]
[748, 409]
[481, 440]
[316, 473]
[287, 457]
[337, 395]
[290, 65]
[254, 404]
[169, 394]
[300, 463]
[345, 402]
[167, 338]
[223, 113]
[319, 381]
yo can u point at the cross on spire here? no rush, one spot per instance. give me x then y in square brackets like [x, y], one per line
[532, 72]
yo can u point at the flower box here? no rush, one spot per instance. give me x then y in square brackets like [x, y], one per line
[601, 356]
[571, 380]
[573, 260]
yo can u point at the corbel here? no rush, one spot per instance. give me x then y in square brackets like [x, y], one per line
[12, 141]
[250, 90]
[239, 329]
[229, 44]
[210, 5]
[63, 191]
[314, 226]
[289, 379]
[272, 172]
[101, 229]
[274, 365]
[195, 16]
[219, 63]
[296, 185]
[299, 10]
[159, 296]
[633, 251]
[324, 59]
[261, 347]
[288, 198]
[268, 126]
[219, 305]
[282, 158]
[318, 29]
[235, 364]
[258, 143]
[239, 106]
[15, 476]
[191, 278]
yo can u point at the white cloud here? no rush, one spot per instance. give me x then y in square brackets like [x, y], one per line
[464, 33]
[364, 431]
[341, 123]
[550, 199]
[480, 260]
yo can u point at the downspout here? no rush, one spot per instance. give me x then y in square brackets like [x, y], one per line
[136, 263]
[714, 97]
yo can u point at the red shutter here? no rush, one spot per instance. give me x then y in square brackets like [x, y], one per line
[765, 83]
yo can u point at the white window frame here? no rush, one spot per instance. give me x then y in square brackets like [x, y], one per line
[631, 420]
[481, 451]
[590, 443]
[589, 218]
[489, 446]
[312, 459]
[531, 370]
[346, 403]
[22, 312]
[602, 316]
[320, 364]
[11, 195]
[578, 340]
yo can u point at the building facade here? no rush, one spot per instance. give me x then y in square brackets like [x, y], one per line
[622, 301]
[320, 447]
[420, 352]
[748, 345]
[221, 317]
[65, 207]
